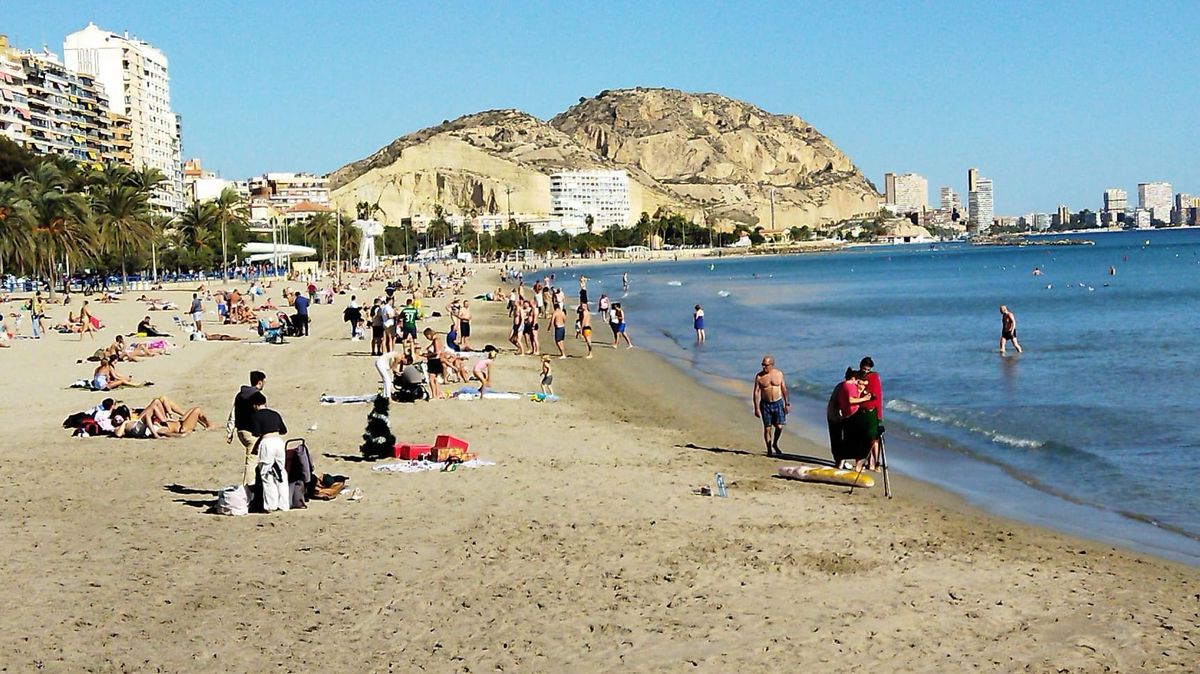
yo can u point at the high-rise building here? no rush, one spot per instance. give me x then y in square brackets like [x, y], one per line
[134, 75]
[1183, 204]
[972, 177]
[979, 203]
[1142, 219]
[287, 197]
[949, 199]
[1062, 218]
[14, 104]
[1116, 200]
[908, 192]
[68, 112]
[604, 195]
[1156, 198]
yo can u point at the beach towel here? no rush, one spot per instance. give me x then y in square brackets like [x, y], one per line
[346, 400]
[427, 466]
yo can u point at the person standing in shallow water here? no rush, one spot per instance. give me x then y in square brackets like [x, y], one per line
[698, 323]
[771, 404]
[1008, 329]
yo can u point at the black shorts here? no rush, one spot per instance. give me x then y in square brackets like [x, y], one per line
[434, 366]
[376, 332]
[464, 328]
[583, 296]
[408, 331]
[1008, 334]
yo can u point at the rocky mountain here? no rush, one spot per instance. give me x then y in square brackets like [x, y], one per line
[700, 154]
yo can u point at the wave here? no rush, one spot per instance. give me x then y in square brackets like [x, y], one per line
[997, 437]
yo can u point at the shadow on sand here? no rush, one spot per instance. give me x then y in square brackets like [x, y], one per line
[820, 461]
[206, 504]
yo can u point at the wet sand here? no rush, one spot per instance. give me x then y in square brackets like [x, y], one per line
[583, 549]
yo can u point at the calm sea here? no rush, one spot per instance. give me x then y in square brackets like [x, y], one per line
[1098, 415]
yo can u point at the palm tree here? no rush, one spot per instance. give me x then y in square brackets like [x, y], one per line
[123, 214]
[60, 220]
[15, 228]
[320, 227]
[145, 179]
[230, 210]
[196, 224]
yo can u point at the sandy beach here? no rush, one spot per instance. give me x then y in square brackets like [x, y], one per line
[582, 549]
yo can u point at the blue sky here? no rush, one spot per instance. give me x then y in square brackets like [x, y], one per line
[1053, 101]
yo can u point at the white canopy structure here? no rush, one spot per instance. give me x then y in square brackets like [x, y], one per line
[259, 251]
[371, 229]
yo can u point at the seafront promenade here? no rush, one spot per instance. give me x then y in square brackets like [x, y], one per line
[582, 549]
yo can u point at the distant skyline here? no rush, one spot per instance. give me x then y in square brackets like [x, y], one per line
[1054, 102]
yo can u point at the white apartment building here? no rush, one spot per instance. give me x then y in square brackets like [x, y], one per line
[949, 199]
[289, 189]
[134, 76]
[14, 103]
[979, 204]
[907, 192]
[1116, 200]
[1156, 197]
[604, 195]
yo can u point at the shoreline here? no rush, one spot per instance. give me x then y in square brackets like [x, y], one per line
[997, 489]
[582, 549]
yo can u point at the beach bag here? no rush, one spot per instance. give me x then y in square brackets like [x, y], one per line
[233, 500]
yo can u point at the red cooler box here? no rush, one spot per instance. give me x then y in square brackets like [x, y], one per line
[450, 442]
[411, 452]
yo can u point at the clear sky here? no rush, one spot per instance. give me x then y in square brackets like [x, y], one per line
[1053, 101]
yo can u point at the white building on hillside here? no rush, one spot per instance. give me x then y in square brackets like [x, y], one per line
[134, 76]
[604, 195]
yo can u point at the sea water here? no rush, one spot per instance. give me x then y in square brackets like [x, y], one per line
[1098, 412]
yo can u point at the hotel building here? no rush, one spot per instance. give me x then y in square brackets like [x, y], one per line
[134, 75]
[907, 192]
[979, 202]
[604, 195]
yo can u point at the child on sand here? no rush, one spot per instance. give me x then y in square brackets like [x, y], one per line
[482, 372]
[547, 376]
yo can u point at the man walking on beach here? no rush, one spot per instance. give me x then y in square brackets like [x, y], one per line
[1008, 329]
[197, 311]
[558, 321]
[771, 404]
[241, 421]
[585, 327]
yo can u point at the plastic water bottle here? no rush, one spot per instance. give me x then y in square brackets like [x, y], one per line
[721, 486]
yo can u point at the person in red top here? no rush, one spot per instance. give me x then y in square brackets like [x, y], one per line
[847, 430]
[873, 408]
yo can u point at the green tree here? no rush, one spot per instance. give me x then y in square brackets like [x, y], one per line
[123, 215]
[60, 220]
[194, 230]
[230, 211]
[16, 242]
[321, 228]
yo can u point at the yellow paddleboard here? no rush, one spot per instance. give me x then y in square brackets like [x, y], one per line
[848, 478]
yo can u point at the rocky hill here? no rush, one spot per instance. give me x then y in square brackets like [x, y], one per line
[693, 153]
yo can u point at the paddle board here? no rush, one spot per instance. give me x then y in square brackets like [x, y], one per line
[827, 475]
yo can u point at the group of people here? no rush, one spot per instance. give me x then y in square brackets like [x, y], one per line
[262, 433]
[854, 413]
[160, 418]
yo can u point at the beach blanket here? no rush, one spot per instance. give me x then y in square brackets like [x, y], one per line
[82, 383]
[346, 400]
[426, 466]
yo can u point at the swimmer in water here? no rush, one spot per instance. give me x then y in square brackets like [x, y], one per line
[1008, 329]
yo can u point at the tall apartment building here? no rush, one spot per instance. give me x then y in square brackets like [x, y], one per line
[604, 195]
[972, 176]
[1062, 218]
[1184, 204]
[68, 111]
[14, 104]
[134, 75]
[1116, 200]
[949, 199]
[907, 191]
[1156, 198]
[979, 202]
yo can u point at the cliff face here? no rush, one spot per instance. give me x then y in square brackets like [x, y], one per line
[724, 154]
[692, 153]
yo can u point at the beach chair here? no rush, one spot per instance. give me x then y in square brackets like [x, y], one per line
[186, 326]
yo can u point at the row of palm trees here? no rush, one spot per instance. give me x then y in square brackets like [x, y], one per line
[59, 216]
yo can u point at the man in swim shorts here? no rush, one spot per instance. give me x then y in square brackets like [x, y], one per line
[585, 327]
[771, 404]
[1008, 329]
[558, 320]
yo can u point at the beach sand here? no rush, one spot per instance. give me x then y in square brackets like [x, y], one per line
[582, 549]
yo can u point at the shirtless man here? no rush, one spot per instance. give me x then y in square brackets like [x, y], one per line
[558, 321]
[585, 327]
[1008, 329]
[771, 403]
[517, 311]
[464, 326]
